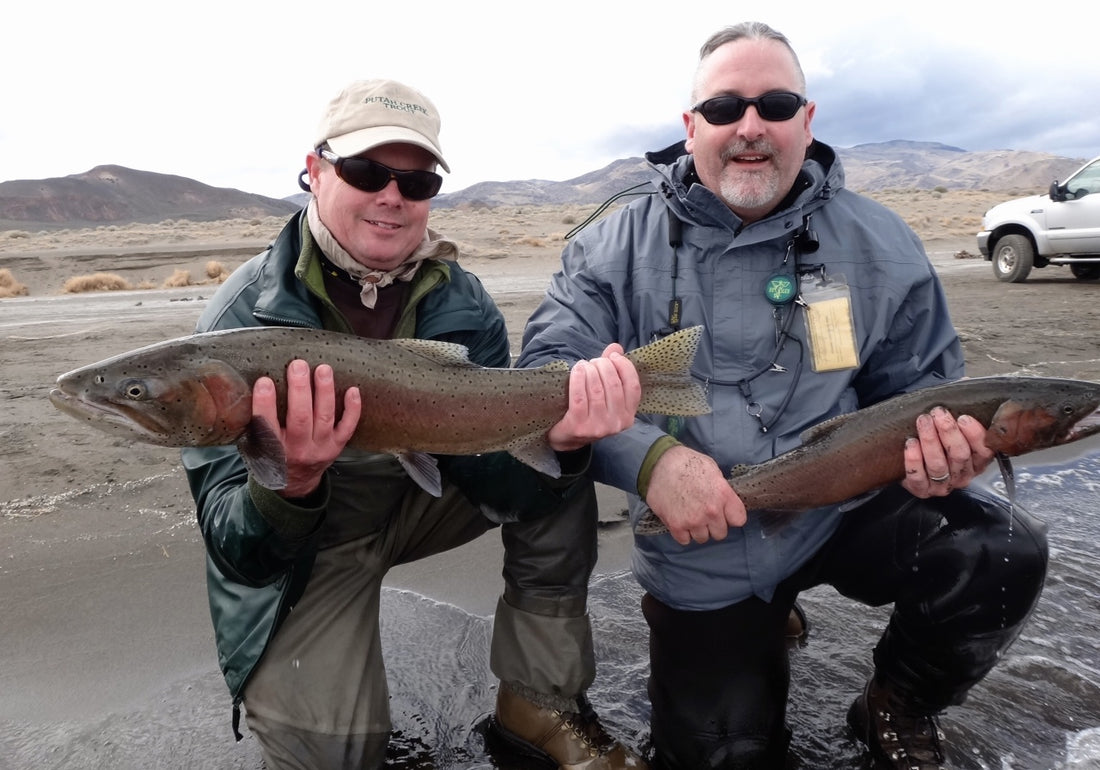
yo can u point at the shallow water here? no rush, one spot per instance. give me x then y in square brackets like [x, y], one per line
[1040, 708]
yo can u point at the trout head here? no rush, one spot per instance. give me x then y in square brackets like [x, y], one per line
[1062, 415]
[159, 398]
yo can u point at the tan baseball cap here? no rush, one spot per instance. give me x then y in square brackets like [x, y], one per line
[370, 113]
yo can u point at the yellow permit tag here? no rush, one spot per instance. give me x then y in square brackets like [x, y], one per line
[832, 338]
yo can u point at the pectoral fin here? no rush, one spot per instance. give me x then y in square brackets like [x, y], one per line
[263, 454]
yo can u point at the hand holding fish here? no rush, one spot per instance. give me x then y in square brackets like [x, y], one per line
[946, 454]
[691, 495]
[312, 437]
[604, 394]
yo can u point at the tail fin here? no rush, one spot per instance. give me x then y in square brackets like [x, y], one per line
[664, 368]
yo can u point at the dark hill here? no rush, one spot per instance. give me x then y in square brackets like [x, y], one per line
[114, 194]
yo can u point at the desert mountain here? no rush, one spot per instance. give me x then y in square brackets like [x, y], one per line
[116, 195]
[927, 165]
[897, 165]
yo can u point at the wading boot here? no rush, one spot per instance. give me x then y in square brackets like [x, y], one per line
[548, 737]
[896, 740]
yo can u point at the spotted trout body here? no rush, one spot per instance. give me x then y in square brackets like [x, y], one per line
[856, 453]
[418, 396]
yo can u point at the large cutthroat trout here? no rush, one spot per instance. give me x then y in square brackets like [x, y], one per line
[857, 453]
[418, 396]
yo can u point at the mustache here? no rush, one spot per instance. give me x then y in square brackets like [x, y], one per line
[758, 147]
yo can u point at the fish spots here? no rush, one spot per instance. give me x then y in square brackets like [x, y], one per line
[417, 395]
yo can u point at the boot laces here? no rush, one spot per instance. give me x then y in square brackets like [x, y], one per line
[914, 740]
[586, 725]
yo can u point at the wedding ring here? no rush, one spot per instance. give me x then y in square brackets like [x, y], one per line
[940, 479]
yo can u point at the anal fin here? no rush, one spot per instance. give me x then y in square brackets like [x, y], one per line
[535, 451]
[424, 470]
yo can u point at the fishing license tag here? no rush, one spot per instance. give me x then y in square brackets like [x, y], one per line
[832, 337]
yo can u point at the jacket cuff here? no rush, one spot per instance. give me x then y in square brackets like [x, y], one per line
[660, 446]
[617, 460]
[291, 519]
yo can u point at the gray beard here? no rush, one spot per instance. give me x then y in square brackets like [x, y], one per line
[742, 194]
[749, 191]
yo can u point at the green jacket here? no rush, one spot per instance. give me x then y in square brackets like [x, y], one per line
[261, 548]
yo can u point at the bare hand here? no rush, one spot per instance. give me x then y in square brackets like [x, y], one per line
[947, 454]
[691, 495]
[604, 394]
[312, 438]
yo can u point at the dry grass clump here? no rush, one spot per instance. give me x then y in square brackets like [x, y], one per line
[9, 287]
[178, 279]
[216, 271]
[80, 284]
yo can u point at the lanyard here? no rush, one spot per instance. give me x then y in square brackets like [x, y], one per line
[785, 302]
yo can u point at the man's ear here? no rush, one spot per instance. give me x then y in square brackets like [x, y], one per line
[689, 129]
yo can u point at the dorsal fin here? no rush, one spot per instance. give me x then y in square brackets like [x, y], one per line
[446, 353]
[823, 429]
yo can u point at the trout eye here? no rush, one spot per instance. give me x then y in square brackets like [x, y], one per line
[134, 390]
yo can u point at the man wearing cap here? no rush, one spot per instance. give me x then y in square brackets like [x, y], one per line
[294, 575]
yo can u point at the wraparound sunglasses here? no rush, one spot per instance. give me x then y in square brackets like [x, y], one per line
[371, 176]
[772, 106]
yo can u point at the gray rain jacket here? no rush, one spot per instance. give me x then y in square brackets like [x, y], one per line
[617, 280]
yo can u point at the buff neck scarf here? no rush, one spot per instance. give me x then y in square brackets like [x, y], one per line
[373, 280]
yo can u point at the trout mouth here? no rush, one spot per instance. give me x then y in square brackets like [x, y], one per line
[1086, 426]
[107, 416]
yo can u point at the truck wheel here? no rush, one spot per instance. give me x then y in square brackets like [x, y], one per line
[1013, 258]
[1085, 272]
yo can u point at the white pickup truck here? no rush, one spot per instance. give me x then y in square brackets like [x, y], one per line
[1059, 228]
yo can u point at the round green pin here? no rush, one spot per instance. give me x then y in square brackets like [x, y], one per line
[779, 289]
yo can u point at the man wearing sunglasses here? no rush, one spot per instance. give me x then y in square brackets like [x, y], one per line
[816, 301]
[294, 575]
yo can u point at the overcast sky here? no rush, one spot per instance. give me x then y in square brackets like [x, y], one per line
[229, 92]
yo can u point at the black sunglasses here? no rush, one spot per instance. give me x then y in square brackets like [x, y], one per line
[773, 106]
[371, 176]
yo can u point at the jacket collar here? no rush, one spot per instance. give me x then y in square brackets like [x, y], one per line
[820, 178]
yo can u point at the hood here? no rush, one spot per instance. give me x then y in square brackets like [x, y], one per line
[675, 179]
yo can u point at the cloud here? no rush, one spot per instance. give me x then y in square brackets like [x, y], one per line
[229, 93]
